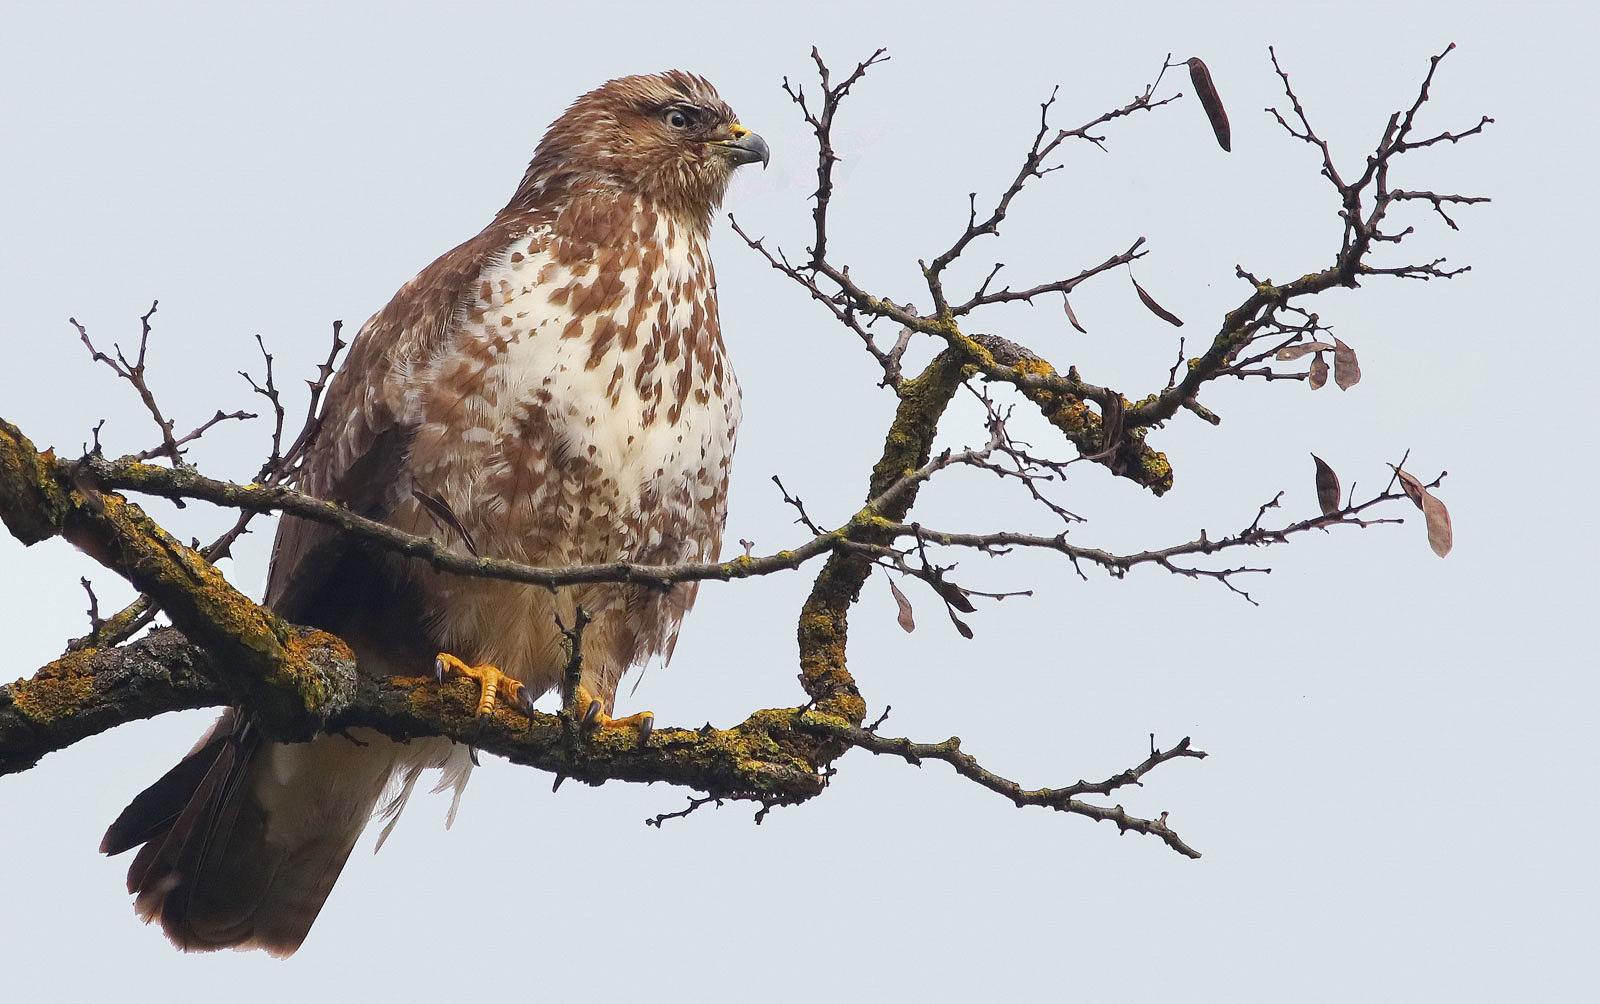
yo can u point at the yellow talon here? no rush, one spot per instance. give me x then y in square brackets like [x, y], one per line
[592, 714]
[489, 678]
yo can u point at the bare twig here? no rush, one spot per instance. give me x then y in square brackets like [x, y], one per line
[1067, 799]
[804, 519]
[821, 123]
[1033, 166]
[288, 467]
[133, 373]
[95, 621]
[269, 390]
[694, 803]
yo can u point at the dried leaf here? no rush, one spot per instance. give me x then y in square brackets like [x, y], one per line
[961, 626]
[1346, 371]
[954, 595]
[1156, 308]
[904, 619]
[1327, 487]
[1413, 487]
[1433, 512]
[1290, 353]
[1318, 374]
[1438, 518]
[1206, 91]
[1071, 317]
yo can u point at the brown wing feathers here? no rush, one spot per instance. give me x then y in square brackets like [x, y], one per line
[208, 871]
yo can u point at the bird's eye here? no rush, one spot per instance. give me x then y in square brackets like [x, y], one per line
[677, 119]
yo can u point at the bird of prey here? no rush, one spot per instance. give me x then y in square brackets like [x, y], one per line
[554, 391]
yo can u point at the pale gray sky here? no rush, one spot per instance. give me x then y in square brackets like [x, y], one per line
[1400, 801]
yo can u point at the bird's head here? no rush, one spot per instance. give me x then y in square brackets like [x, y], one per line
[667, 136]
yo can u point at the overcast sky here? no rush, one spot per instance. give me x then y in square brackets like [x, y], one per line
[1400, 799]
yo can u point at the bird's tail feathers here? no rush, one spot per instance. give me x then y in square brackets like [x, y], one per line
[244, 838]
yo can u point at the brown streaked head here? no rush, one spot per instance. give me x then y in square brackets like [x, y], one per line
[667, 136]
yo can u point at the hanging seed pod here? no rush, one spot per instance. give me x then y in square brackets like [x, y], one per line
[1206, 91]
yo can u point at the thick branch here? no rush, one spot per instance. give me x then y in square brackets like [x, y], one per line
[825, 616]
[766, 758]
[268, 664]
[85, 693]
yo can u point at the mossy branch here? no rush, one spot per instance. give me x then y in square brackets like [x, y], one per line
[824, 619]
[85, 693]
[269, 665]
[771, 757]
[296, 681]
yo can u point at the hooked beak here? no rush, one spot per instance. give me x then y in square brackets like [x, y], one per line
[746, 147]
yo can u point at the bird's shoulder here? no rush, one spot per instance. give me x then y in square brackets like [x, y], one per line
[420, 314]
[581, 240]
[362, 436]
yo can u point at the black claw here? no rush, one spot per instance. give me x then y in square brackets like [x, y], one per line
[472, 754]
[592, 715]
[646, 726]
[438, 670]
[525, 700]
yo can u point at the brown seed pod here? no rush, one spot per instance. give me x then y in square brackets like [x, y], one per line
[1073, 318]
[1206, 91]
[1327, 487]
[1318, 374]
[907, 622]
[1291, 352]
[1346, 370]
[1156, 308]
[1440, 536]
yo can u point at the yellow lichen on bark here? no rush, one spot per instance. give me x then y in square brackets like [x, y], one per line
[41, 497]
[823, 628]
[61, 688]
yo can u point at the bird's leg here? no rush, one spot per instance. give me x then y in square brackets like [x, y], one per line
[489, 677]
[580, 701]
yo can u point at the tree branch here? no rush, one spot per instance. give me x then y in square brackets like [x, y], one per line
[1067, 799]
